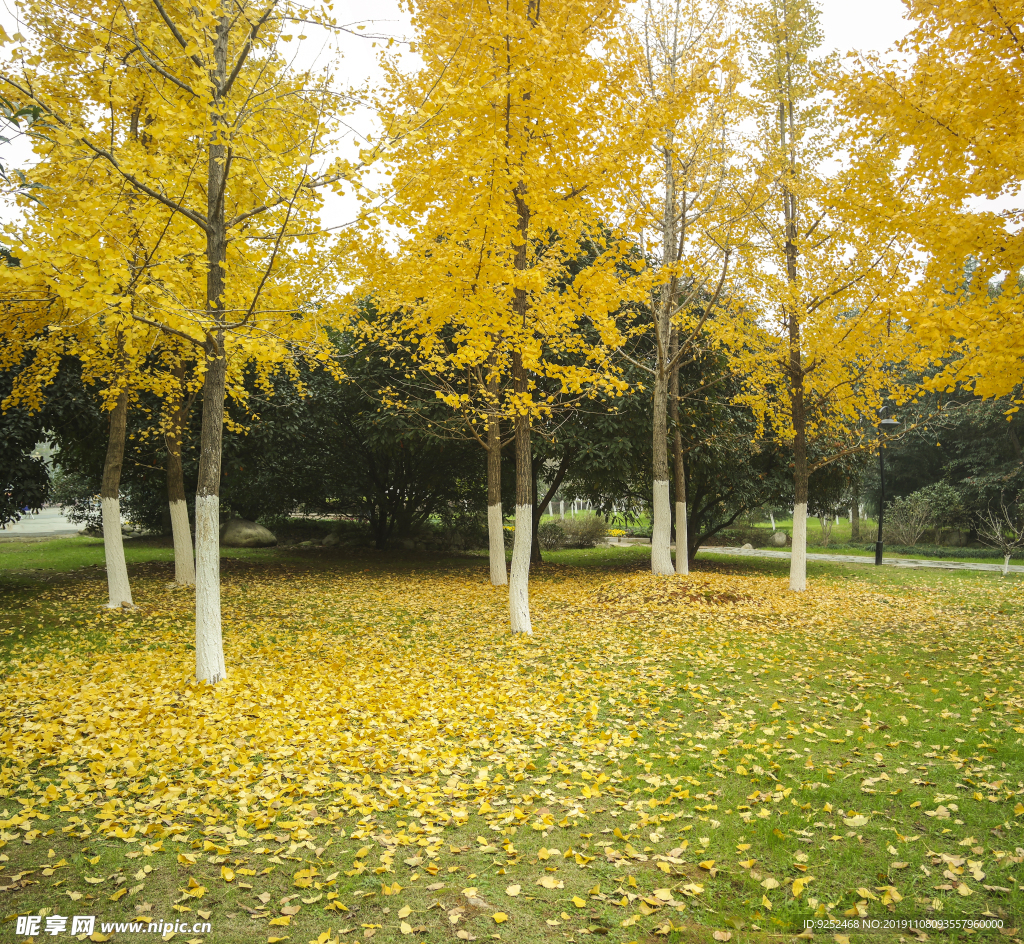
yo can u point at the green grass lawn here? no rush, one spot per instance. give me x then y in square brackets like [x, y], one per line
[663, 760]
[64, 555]
[841, 537]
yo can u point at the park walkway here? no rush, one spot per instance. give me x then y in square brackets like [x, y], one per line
[853, 559]
[48, 523]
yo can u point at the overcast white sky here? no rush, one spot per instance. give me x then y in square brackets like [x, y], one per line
[848, 24]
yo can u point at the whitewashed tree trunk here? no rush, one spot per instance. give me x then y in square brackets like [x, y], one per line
[496, 540]
[522, 545]
[682, 540]
[210, 665]
[181, 532]
[661, 508]
[118, 588]
[519, 582]
[798, 559]
[771, 517]
[661, 531]
[1006, 564]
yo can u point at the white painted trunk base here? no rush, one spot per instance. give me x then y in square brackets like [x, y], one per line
[682, 546]
[661, 532]
[496, 542]
[519, 581]
[1006, 564]
[209, 644]
[184, 563]
[798, 559]
[113, 552]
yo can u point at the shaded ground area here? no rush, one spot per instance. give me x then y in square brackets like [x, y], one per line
[664, 759]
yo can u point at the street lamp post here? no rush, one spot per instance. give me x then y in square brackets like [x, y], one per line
[884, 426]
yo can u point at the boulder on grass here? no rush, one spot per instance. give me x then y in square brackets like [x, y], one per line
[778, 539]
[332, 540]
[237, 532]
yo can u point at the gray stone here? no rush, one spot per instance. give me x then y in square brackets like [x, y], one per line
[778, 539]
[237, 532]
[747, 547]
[332, 540]
[407, 544]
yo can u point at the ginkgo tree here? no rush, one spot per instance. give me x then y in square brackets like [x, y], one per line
[953, 97]
[494, 188]
[233, 160]
[824, 263]
[71, 300]
[681, 59]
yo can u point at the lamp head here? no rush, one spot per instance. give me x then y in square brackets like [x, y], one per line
[888, 424]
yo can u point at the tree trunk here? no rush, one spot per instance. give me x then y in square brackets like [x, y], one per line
[855, 515]
[209, 642]
[538, 511]
[519, 583]
[184, 562]
[661, 509]
[798, 559]
[495, 521]
[119, 591]
[682, 545]
[661, 524]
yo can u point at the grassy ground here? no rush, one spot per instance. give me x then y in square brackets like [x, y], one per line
[664, 760]
[66, 555]
[841, 537]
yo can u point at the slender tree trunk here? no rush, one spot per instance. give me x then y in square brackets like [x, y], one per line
[855, 515]
[1006, 563]
[661, 509]
[661, 529]
[210, 665]
[120, 593]
[798, 559]
[209, 643]
[538, 511]
[495, 521]
[519, 583]
[682, 546]
[184, 563]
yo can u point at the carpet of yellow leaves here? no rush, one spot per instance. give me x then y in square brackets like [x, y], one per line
[381, 695]
[353, 695]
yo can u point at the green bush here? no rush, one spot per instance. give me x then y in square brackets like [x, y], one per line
[551, 535]
[906, 519]
[584, 530]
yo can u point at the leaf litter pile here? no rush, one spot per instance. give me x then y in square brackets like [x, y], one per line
[665, 756]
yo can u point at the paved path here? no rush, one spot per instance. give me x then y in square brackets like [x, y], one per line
[48, 523]
[852, 559]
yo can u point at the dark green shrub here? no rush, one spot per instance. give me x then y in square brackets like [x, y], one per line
[551, 534]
